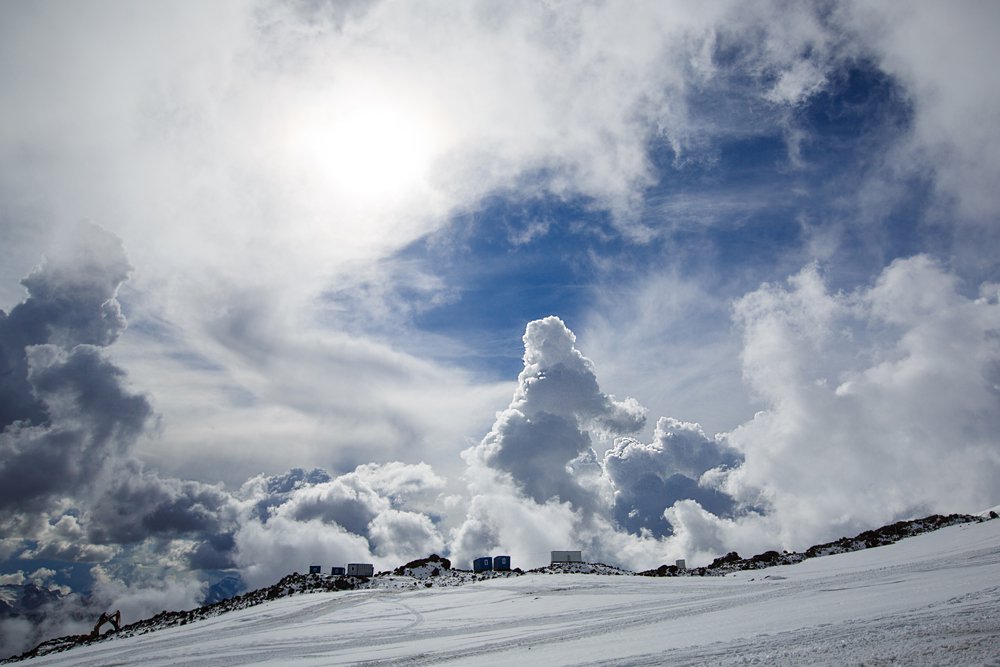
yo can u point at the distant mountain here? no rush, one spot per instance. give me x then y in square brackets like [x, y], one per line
[224, 589]
[25, 600]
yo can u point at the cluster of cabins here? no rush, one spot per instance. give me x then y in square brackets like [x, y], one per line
[352, 570]
[502, 563]
[496, 563]
[481, 564]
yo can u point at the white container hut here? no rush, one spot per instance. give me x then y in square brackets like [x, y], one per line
[360, 570]
[567, 557]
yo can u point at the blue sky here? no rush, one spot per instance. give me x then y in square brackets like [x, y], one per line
[655, 281]
[735, 214]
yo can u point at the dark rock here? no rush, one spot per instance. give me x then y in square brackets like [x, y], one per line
[729, 558]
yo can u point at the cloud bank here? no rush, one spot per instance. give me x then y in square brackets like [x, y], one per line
[880, 405]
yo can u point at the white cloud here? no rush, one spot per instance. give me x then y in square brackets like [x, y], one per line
[701, 536]
[399, 535]
[944, 55]
[499, 521]
[412, 486]
[881, 403]
[12, 578]
[200, 172]
[377, 513]
[289, 393]
[535, 483]
[16, 634]
[267, 552]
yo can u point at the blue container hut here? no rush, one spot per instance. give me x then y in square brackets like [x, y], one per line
[482, 564]
[501, 562]
[338, 571]
[315, 569]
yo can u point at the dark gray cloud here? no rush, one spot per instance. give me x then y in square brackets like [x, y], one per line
[72, 293]
[70, 486]
[215, 552]
[71, 301]
[91, 420]
[64, 407]
[139, 504]
[345, 501]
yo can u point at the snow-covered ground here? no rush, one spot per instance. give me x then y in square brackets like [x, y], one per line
[927, 600]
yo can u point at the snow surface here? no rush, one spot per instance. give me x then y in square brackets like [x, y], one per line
[933, 599]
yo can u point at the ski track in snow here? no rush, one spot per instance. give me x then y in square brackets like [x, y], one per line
[933, 599]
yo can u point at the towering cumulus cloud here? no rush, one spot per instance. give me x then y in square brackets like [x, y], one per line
[543, 432]
[535, 474]
[536, 482]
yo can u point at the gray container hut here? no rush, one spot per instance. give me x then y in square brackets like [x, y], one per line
[360, 570]
[315, 569]
[338, 571]
[482, 564]
[501, 563]
[567, 557]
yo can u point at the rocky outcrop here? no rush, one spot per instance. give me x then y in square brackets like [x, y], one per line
[732, 562]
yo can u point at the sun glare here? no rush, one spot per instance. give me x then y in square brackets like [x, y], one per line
[373, 151]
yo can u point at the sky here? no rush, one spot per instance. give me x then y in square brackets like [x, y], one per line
[296, 282]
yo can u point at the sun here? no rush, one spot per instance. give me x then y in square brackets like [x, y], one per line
[368, 150]
[381, 148]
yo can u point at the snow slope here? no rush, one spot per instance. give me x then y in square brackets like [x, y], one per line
[933, 599]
